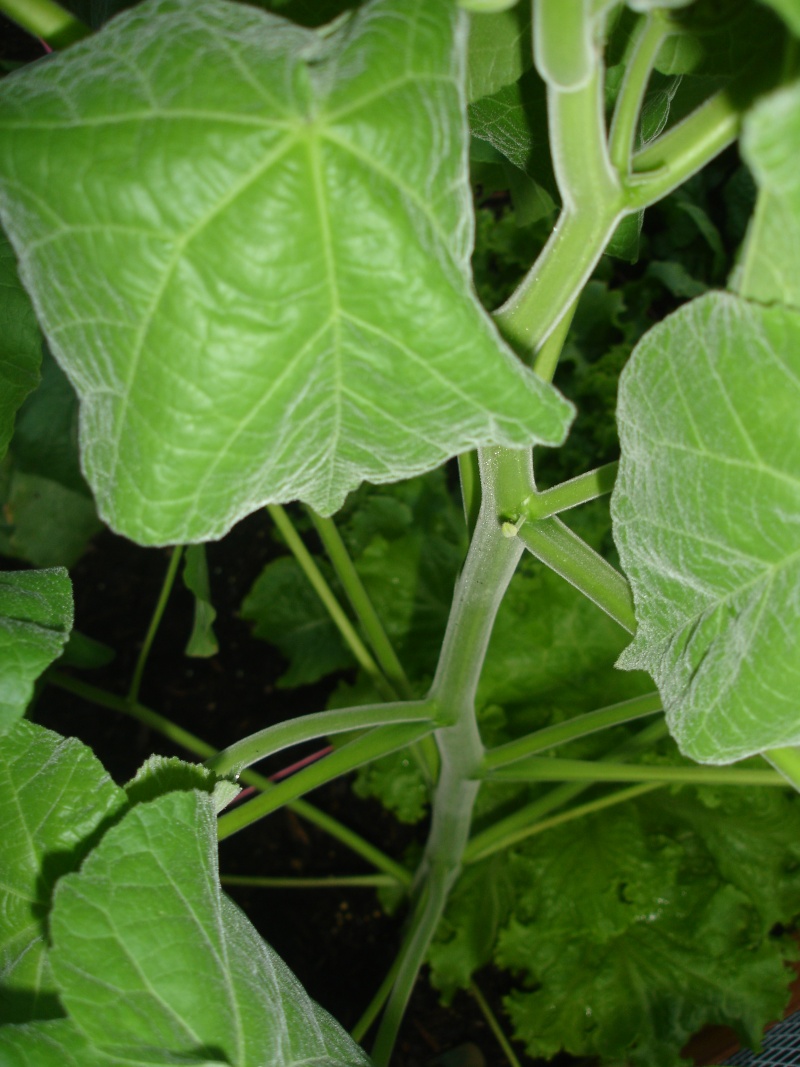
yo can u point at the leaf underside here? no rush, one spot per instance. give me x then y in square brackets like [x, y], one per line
[254, 267]
[707, 521]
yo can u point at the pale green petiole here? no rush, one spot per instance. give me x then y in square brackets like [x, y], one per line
[282, 735]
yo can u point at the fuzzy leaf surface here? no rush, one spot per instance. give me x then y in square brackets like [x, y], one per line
[35, 620]
[54, 796]
[150, 954]
[707, 521]
[260, 288]
[770, 271]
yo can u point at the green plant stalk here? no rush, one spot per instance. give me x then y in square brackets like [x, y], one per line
[544, 769]
[489, 567]
[46, 19]
[560, 733]
[589, 486]
[370, 746]
[282, 735]
[425, 752]
[647, 40]
[469, 476]
[201, 748]
[373, 1009]
[621, 796]
[361, 603]
[353, 881]
[155, 622]
[494, 1025]
[506, 831]
[323, 590]
[568, 555]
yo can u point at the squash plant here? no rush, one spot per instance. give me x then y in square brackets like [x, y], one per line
[245, 233]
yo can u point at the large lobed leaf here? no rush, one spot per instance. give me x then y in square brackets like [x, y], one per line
[254, 266]
[707, 520]
[149, 953]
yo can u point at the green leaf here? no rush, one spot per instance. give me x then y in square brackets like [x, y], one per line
[770, 270]
[45, 440]
[45, 524]
[35, 620]
[150, 954]
[202, 640]
[167, 774]
[514, 122]
[55, 799]
[705, 513]
[341, 192]
[629, 941]
[20, 343]
[286, 611]
[500, 50]
[85, 653]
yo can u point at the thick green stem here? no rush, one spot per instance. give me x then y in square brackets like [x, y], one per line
[332, 605]
[580, 726]
[361, 603]
[201, 748]
[370, 746]
[155, 622]
[544, 769]
[589, 486]
[46, 19]
[272, 739]
[568, 555]
[488, 569]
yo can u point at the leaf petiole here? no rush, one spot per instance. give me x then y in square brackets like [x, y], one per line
[580, 726]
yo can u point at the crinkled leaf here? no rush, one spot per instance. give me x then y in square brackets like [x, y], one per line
[287, 612]
[499, 51]
[20, 343]
[202, 640]
[43, 522]
[665, 906]
[707, 521]
[166, 774]
[35, 620]
[770, 271]
[150, 954]
[632, 941]
[54, 799]
[310, 283]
